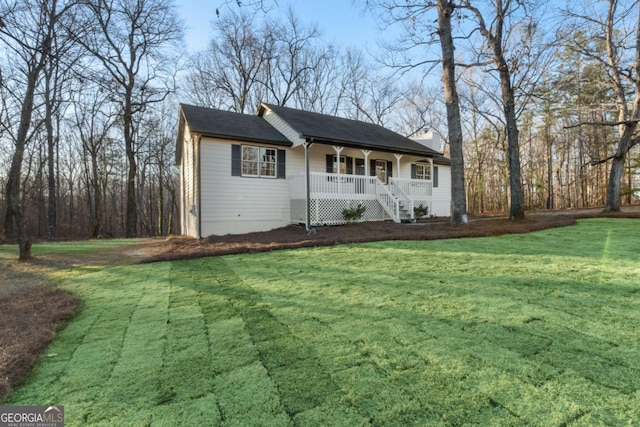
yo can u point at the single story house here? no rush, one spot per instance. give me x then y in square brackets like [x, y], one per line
[241, 173]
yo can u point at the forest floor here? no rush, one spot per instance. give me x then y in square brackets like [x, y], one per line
[27, 328]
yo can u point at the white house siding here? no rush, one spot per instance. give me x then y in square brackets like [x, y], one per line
[235, 204]
[283, 127]
[441, 203]
[189, 185]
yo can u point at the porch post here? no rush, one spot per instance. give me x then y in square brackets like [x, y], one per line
[398, 157]
[366, 161]
[338, 150]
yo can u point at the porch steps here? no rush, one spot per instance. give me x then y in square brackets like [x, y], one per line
[405, 214]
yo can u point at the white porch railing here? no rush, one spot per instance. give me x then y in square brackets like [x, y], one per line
[331, 193]
[334, 186]
[414, 188]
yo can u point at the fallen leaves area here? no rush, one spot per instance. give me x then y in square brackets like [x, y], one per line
[31, 311]
[295, 236]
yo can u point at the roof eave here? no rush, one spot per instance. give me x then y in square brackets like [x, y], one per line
[246, 139]
[180, 136]
[360, 145]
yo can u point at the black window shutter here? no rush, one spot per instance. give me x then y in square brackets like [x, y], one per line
[372, 169]
[236, 160]
[282, 171]
[435, 176]
[389, 170]
[349, 161]
[329, 163]
[413, 172]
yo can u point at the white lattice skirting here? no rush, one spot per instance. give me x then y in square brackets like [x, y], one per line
[329, 211]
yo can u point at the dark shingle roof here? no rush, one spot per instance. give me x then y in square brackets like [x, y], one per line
[227, 124]
[326, 129]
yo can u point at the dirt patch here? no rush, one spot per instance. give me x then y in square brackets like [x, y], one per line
[31, 311]
[295, 236]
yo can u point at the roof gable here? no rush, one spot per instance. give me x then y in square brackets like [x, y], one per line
[322, 128]
[230, 125]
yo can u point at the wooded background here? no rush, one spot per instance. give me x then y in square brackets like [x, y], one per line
[90, 92]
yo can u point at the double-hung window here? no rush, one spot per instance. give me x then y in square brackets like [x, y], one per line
[423, 171]
[259, 161]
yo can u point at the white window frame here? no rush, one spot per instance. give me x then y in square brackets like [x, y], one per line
[261, 165]
[343, 164]
[426, 174]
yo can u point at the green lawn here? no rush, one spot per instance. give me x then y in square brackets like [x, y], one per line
[540, 329]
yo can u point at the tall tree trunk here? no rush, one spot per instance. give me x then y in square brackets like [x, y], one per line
[51, 178]
[516, 209]
[626, 127]
[629, 183]
[97, 205]
[161, 216]
[131, 220]
[613, 187]
[14, 218]
[619, 159]
[458, 196]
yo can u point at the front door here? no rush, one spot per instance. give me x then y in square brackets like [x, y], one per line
[381, 170]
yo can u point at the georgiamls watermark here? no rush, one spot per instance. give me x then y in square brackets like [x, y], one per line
[31, 416]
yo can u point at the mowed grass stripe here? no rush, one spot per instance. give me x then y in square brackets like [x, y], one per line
[537, 329]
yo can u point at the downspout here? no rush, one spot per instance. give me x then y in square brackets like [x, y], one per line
[307, 145]
[199, 181]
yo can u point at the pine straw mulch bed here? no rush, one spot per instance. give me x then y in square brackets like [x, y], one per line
[295, 236]
[32, 310]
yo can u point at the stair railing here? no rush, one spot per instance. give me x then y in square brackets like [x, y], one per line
[389, 202]
[399, 193]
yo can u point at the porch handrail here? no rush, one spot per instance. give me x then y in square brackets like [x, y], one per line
[399, 193]
[342, 184]
[389, 202]
[415, 188]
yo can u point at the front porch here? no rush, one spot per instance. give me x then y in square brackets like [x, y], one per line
[331, 193]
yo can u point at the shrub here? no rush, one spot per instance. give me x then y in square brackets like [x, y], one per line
[353, 214]
[420, 211]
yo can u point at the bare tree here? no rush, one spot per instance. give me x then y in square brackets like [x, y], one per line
[58, 76]
[495, 39]
[293, 59]
[322, 92]
[367, 94]
[132, 40]
[619, 55]
[417, 18]
[231, 69]
[94, 118]
[27, 28]
[458, 196]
